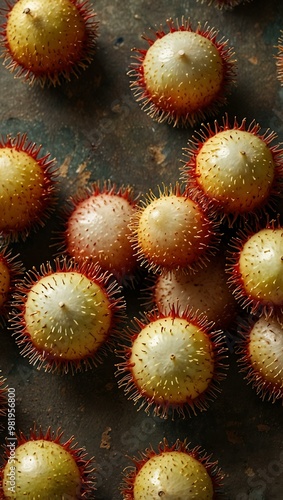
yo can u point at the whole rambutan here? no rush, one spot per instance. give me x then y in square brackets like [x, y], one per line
[171, 231]
[27, 187]
[65, 315]
[223, 4]
[260, 352]
[96, 229]
[11, 269]
[234, 168]
[48, 41]
[185, 75]
[205, 291]
[42, 466]
[174, 363]
[173, 472]
[279, 58]
[255, 269]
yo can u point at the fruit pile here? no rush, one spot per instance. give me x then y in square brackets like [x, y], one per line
[207, 249]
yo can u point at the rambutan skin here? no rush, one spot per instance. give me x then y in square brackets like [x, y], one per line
[184, 76]
[96, 229]
[173, 364]
[11, 270]
[255, 269]
[138, 482]
[205, 291]
[236, 168]
[65, 315]
[260, 356]
[48, 42]
[28, 187]
[172, 231]
[223, 4]
[46, 466]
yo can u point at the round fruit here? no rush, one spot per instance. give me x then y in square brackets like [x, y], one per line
[205, 291]
[43, 467]
[65, 316]
[27, 185]
[184, 75]
[223, 4]
[174, 362]
[235, 169]
[256, 271]
[175, 472]
[172, 231]
[96, 229]
[49, 40]
[261, 357]
[10, 270]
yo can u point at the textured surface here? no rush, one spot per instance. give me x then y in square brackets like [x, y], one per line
[96, 130]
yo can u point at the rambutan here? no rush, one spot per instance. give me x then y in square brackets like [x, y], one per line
[223, 4]
[173, 472]
[65, 315]
[96, 229]
[42, 466]
[205, 291]
[11, 270]
[256, 265]
[234, 168]
[185, 75]
[174, 363]
[279, 58]
[27, 187]
[260, 352]
[48, 41]
[171, 231]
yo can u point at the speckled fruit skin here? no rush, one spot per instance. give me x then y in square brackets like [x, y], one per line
[235, 168]
[256, 270]
[184, 75]
[11, 269]
[47, 41]
[27, 187]
[173, 473]
[205, 291]
[171, 231]
[279, 59]
[260, 358]
[43, 467]
[173, 365]
[65, 315]
[96, 229]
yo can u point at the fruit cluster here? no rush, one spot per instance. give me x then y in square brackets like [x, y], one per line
[208, 249]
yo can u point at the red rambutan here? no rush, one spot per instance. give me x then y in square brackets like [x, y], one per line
[96, 229]
[205, 291]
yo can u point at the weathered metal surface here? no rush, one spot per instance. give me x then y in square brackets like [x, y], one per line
[96, 130]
